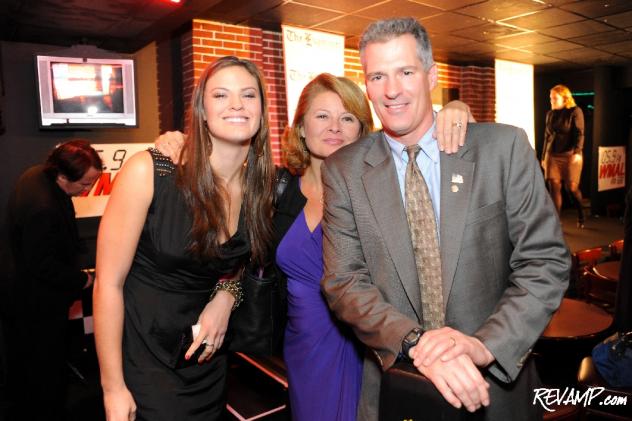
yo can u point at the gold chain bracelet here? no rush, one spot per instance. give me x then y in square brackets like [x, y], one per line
[233, 287]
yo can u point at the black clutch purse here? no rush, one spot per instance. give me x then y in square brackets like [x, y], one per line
[177, 356]
[257, 325]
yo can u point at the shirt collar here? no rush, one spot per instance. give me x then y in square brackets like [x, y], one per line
[428, 145]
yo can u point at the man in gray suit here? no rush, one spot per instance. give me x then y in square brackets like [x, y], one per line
[504, 264]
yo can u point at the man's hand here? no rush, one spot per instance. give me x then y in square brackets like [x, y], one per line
[170, 144]
[446, 344]
[458, 381]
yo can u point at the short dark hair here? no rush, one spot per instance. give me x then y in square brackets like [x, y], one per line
[73, 159]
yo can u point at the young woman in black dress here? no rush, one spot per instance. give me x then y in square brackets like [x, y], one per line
[171, 244]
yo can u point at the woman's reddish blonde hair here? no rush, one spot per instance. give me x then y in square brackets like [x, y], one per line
[295, 155]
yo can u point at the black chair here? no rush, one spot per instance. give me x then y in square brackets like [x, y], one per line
[407, 395]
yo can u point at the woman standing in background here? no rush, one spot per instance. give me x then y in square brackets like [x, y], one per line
[563, 143]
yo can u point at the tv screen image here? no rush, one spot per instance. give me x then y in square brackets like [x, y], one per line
[87, 88]
[86, 92]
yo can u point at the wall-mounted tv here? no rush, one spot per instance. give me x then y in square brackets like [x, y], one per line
[86, 92]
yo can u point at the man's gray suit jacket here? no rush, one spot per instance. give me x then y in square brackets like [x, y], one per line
[505, 265]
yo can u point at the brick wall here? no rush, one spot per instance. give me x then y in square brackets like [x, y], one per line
[209, 40]
[353, 67]
[274, 72]
[478, 90]
[449, 75]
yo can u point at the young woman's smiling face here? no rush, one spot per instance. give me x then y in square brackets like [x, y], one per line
[232, 105]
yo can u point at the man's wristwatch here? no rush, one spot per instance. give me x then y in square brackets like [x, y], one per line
[410, 340]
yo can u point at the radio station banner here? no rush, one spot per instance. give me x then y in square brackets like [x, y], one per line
[308, 53]
[611, 168]
[113, 156]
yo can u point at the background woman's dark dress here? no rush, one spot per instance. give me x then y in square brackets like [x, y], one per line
[563, 137]
[165, 292]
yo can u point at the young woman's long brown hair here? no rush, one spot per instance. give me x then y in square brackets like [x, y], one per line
[206, 197]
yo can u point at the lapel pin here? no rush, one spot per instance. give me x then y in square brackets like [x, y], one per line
[455, 188]
[457, 178]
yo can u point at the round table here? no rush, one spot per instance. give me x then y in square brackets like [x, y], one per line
[609, 270]
[577, 319]
[573, 331]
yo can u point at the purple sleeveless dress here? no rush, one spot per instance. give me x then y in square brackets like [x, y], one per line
[322, 356]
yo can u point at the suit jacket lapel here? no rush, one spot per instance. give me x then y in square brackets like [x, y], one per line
[456, 184]
[382, 189]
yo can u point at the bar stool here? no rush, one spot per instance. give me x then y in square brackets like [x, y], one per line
[575, 328]
[580, 259]
[599, 289]
[616, 248]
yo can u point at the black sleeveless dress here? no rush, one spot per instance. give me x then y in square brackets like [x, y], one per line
[165, 292]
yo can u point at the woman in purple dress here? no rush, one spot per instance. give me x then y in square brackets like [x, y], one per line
[323, 358]
[324, 361]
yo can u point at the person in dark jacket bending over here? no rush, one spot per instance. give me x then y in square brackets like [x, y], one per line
[45, 245]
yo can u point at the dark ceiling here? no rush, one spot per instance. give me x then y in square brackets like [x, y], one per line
[546, 33]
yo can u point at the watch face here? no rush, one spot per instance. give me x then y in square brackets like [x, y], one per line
[410, 340]
[413, 336]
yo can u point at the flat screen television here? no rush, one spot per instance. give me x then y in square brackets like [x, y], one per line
[87, 92]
